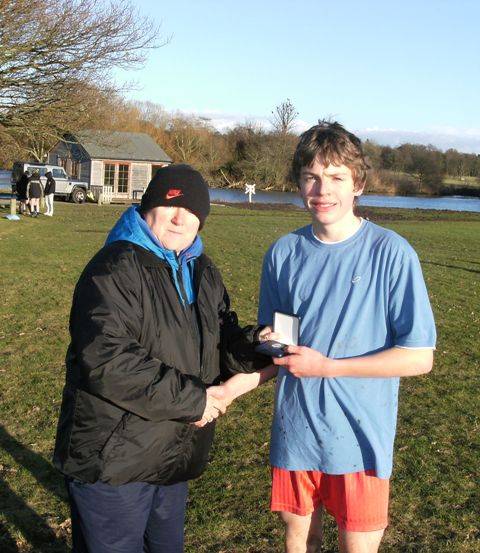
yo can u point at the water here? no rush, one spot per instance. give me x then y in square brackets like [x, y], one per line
[5, 182]
[451, 203]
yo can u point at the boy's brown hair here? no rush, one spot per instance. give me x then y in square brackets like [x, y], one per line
[332, 144]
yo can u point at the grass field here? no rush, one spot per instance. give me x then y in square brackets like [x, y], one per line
[435, 503]
[473, 182]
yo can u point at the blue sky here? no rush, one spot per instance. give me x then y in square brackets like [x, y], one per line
[394, 71]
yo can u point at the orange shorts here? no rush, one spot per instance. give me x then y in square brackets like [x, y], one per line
[358, 501]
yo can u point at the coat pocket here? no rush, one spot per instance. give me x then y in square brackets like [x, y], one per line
[113, 438]
[94, 422]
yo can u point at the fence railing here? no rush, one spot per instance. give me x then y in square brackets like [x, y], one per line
[104, 194]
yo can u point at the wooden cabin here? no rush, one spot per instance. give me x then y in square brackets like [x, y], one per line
[116, 164]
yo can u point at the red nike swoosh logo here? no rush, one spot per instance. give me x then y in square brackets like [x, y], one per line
[173, 193]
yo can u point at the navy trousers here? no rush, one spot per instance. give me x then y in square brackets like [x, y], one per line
[132, 518]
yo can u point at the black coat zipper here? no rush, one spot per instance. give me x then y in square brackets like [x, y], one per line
[188, 316]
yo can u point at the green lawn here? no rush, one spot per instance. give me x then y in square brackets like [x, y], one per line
[435, 496]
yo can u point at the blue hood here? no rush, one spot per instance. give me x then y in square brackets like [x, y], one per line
[132, 228]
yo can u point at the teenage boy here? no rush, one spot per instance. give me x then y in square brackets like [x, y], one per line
[365, 321]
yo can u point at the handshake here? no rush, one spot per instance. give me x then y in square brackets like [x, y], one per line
[218, 399]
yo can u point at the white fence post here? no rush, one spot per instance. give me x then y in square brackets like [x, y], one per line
[107, 194]
[102, 194]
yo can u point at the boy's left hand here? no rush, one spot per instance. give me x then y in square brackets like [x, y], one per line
[302, 361]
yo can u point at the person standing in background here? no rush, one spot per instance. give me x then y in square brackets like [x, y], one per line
[34, 193]
[21, 190]
[49, 193]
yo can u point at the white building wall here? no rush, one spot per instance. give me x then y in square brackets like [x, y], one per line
[96, 173]
[140, 175]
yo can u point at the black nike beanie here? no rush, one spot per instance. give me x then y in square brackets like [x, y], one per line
[181, 186]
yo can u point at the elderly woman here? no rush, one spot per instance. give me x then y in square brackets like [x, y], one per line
[151, 331]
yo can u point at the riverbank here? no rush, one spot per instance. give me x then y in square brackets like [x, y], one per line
[460, 190]
[394, 183]
[373, 213]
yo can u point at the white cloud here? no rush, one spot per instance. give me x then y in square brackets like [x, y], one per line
[463, 140]
[301, 125]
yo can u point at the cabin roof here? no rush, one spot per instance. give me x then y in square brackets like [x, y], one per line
[117, 145]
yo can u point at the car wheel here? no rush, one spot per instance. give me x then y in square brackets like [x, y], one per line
[78, 195]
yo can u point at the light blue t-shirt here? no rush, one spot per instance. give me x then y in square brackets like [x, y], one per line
[355, 297]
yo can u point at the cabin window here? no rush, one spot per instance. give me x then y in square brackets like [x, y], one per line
[109, 177]
[117, 175]
[123, 179]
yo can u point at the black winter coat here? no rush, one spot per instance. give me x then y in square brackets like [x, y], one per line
[34, 189]
[135, 377]
[50, 186]
[22, 186]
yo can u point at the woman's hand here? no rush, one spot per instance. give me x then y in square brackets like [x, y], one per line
[216, 405]
[268, 334]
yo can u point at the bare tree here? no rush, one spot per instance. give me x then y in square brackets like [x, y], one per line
[85, 107]
[50, 50]
[283, 117]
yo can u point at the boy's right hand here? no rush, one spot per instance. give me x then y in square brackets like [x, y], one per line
[303, 362]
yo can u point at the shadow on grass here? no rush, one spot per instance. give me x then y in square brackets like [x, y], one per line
[7, 543]
[476, 271]
[36, 531]
[93, 231]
